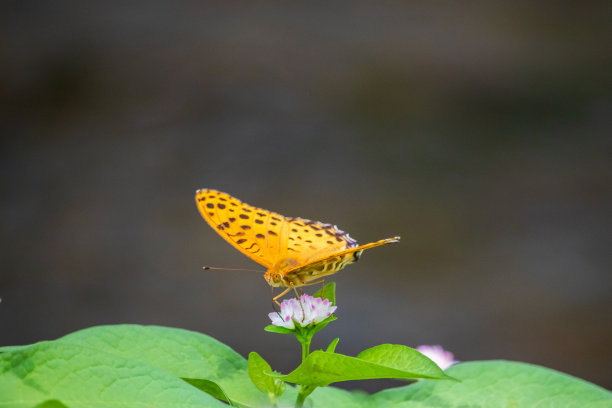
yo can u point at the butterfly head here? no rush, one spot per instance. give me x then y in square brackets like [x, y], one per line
[276, 275]
[274, 279]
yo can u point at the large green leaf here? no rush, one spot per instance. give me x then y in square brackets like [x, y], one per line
[140, 366]
[49, 374]
[51, 404]
[493, 384]
[184, 353]
[386, 361]
[324, 397]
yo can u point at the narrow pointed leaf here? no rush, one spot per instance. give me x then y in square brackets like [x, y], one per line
[208, 387]
[402, 358]
[332, 346]
[258, 372]
[277, 329]
[327, 292]
[322, 368]
[319, 326]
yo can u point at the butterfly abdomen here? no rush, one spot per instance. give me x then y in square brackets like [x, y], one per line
[303, 275]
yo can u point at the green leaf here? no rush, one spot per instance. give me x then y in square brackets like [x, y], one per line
[319, 326]
[83, 377]
[322, 368]
[208, 387]
[497, 384]
[7, 349]
[332, 346]
[184, 353]
[258, 372]
[277, 329]
[403, 358]
[51, 404]
[242, 392]
[337, 397]
[327, 292]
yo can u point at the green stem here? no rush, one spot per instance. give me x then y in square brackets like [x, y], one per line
[305, 350]
[301, 397]
[305, 390]
[272, 398]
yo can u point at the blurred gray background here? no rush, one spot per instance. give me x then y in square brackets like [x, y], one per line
[479, 132]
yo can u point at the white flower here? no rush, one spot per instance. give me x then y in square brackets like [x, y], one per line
[311, 310]
[438, 355]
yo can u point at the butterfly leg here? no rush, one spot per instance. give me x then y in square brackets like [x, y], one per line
[314, 283]
[322, 282]
[274, 301]
[281, 294]
[299, 298]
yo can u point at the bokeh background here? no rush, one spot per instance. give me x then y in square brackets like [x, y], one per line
[479, 132]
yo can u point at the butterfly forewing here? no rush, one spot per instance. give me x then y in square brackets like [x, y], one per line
[253, 231]
[272, 233]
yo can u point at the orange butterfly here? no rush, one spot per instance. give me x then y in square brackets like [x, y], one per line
[295, 251]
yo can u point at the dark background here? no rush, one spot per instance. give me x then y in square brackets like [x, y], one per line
[479, 132]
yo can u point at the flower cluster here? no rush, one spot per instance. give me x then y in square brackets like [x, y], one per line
[305, 311]
[438, 355]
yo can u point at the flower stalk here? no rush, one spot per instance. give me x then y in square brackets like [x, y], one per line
[305, 350]
[305, 391]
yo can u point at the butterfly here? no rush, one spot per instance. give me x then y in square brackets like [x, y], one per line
[295, 251]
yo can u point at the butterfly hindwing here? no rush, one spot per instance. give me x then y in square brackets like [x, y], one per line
[309, 240]
[331, 263]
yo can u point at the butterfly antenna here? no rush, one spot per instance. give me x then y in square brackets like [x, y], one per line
[230, 269]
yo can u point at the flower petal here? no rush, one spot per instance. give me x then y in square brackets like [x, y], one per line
[443, 358]
[305, 311]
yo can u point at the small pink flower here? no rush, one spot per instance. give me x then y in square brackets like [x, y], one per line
[438, 355]
[311, 310]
